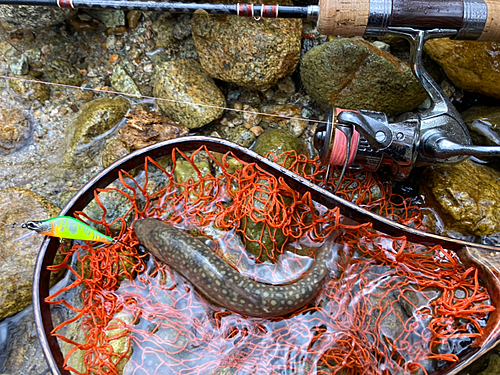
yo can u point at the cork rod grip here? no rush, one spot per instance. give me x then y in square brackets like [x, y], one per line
[344, 17]
[491, 31]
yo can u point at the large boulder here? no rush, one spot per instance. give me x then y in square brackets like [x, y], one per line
[472, 66]
[351, 73]
[246, 52]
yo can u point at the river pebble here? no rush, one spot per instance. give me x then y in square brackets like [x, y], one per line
[17, 253]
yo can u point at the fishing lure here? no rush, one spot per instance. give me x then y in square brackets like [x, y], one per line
[67, 227]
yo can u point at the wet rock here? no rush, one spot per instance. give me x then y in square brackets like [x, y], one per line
[163, 28]
[33, 17]
[295, 125]
[21, 341]
[133, 18]
[246, 52]
[185, 81]
[18, 256]
[63, 72]
[30, 90]
[472, 66]
[95, 120]
[493, 366]
[109, 17]
[20, 67]
[484, 125]
[122, 82]
[116, 205]
[242, 136]
[182, 28]
[185, 171]
[250, 115]
[276, 142]
[113, 150]
[351, 73]
[120, 345]
[15, 130]
[145, 128]
[470, 208]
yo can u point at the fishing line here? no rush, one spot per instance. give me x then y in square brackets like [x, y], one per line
[100, 90]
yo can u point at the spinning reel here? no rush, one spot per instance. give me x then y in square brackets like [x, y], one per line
[367, 140]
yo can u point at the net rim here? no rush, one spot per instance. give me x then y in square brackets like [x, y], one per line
[49, 247]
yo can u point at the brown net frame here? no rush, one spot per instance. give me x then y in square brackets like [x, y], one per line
[390, 306]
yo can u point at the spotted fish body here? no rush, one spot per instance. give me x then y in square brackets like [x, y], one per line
[68, 227]
[220, 282]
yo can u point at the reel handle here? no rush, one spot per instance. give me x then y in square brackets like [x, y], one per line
[473, 19]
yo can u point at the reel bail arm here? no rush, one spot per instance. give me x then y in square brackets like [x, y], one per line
[437, 135]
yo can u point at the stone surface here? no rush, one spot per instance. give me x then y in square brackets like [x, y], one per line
[185, 81]
[163, 28]
[113, 150]
[472, 66]
[94, 120]
[109, 17]
[15, 130]
[18, 254]
[470, 208]
[33, 17]
[20, 67]
[484, 125]
[145, 128]
[276, 142]
[351, 73]
[30, 89]
[122, 82]
[63, 72]
[249, 53]
[278, 119]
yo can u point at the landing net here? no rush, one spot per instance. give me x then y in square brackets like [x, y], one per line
[390, 306]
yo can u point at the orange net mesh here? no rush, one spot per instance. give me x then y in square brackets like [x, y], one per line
[389, 306]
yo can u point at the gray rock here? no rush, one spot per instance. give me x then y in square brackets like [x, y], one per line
[15, 130]
[29, 88]
[122, 82]
[21, 66]
[242, 136]
[17, 254]
[185, 81]
[109, 17]
[33, 17]
[19, 340]
[246, 52]
[63, 72]
[95, 120]
[351, 73]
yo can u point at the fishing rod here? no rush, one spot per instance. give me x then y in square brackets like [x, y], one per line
[362, 139]
[471, 19]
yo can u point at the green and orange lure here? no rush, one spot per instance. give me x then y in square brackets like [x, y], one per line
[67, 227]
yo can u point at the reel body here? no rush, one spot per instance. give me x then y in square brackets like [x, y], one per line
[435, 136]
